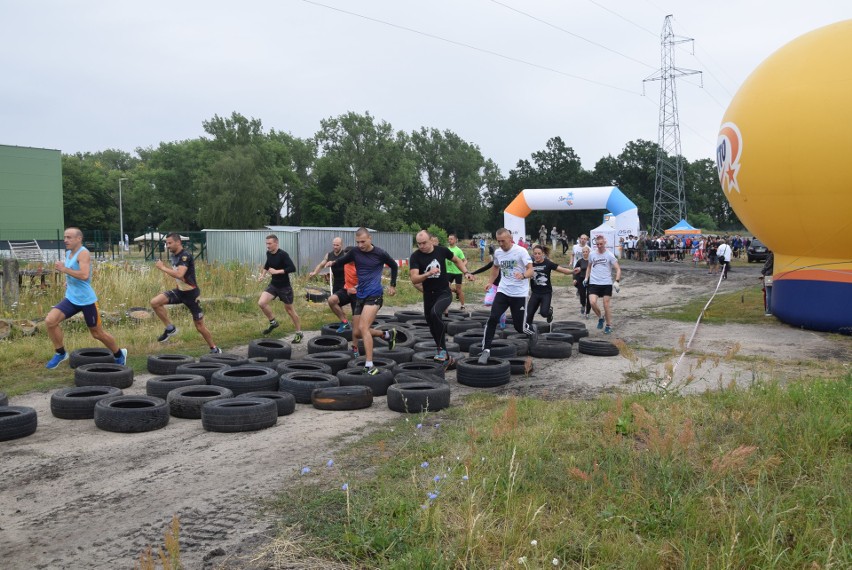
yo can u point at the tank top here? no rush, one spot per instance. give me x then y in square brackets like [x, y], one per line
[78, 291]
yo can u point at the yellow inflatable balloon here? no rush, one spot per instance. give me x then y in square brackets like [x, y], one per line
[784, 158]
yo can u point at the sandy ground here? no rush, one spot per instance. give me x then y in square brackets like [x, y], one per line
[72, 496]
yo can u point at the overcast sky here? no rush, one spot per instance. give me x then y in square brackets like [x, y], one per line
[97, 74]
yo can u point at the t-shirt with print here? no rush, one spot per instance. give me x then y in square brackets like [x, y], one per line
[424, 262]
[510, 262]
[540, 282]
[183, 258]
[602, 264]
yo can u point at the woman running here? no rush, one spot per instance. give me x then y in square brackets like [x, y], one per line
[541, 289]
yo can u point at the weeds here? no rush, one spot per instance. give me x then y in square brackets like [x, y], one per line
[168, 559]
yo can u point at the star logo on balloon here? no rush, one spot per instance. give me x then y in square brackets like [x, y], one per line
[729, 149]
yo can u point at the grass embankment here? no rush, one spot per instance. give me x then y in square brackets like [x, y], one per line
[739, 478]
[744, 306]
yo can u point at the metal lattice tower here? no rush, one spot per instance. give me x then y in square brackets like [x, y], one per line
[669, 199]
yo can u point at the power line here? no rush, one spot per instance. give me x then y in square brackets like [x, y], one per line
[629, 21]
[471, 47]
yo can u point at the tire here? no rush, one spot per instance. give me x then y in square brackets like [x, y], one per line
[417, 397]
[270, 348]
[409, 377]
[4, 401]
[378, 362]
[316, 295]
[335, 360]
[400, 354]
[79, 403]
[377, 383]
[327, 344]
[404, 336]
[331, 330]
[284, 401]
[499, 349]
[242, 379]
[116, 375]
[434, 368]
[567, 324]
[90, 356]
[239, 414]
[203, 369]
[496, 372]
[225, 358]
[426, 345]
[339, 398]
[521, 341]
[458, 313]
[17, 422]
[480, 313]
[551, 349]
[468, 338]
[302, 384]
[418, 325]
[186, 402]
[131, 414]
[166, 363]
[429, 356]
[597, 347]
[576, 332]
[303, 366]
[518, 366]
[405, 316]
[161, 386]
[460, 326]
[263, 363]
[558, 337]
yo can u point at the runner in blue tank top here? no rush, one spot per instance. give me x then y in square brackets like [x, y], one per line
[79, 297]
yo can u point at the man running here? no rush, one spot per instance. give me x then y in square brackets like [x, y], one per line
[79, 297]
[598, 281]
[425, 269]
[453, 272]
[186, 293]
[577, 250]
[338, 278]
[280, 266]
[513, 264]
[369, 263]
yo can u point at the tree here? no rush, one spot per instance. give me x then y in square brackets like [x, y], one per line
[234, 192]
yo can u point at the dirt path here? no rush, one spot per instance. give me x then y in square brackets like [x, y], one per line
[72, 496]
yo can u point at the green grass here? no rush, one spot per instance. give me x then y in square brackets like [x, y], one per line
[744, 306]
[739, 478]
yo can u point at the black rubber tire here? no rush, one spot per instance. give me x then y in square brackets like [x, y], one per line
[239, 414]
[101, 374]
[303, 366]
[521, 341]
[166, 363]
[377, 383]
[458, 313]
[330, 329]
[496, 372]
[468, 338]
[418, 325]
[263, 363]
[434, 368]
[461, 326]
[335, 360]
[79, 403]
[597, 347]
[225, 358]
[417, 397]
[518, 366]
[270, 348]
[567, 324]
[383, 319]
[302, 384]
[316, 295]
[4, 401]
[203, 369]
[186, 402]
[284, 401]
[429, 356]
[400, 354]
[17, 422]
[327, 344]
[405, 316]
[551, 349]
[557, 337]
[480, 313]
[340, 398]
[405, 337]
[242, 379]
[499, 349]
[542, 326]
[131, 414]
[83, 356]
[408, 377]
[160, 386]
[378, 362]
[576, 332]
[426, 345]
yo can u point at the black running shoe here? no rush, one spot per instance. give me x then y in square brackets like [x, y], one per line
[273, 324]
[392, 339]
[167, 334]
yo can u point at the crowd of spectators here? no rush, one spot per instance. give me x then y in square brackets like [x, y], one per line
[677, 249]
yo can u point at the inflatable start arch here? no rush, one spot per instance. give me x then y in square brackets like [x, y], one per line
[625, 212]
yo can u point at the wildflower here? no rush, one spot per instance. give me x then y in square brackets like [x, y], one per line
[534, 542]
[424, 506]
[330, 463]
[306, 470]
[555, 562]
[465, 477]
[344, 487]
[436, 478]
[419, 426]
[433, 496]
[424, 465]
[522, 560]
[437, 426]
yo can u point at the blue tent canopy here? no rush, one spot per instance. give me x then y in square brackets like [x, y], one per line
[683, 227]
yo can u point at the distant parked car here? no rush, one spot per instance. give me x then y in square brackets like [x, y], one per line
[757, 251]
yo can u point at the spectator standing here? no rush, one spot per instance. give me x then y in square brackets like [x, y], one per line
[766, 276]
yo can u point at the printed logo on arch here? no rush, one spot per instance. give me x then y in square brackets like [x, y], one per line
[729, 149]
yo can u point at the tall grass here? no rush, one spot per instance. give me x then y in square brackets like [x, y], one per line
[740, 478]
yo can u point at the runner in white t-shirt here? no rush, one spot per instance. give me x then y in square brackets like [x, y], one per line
[514, 266]
[599, 281]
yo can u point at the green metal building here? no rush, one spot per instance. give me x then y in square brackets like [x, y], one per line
[30, 193]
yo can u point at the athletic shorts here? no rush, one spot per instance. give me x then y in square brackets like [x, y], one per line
[285, 294]
[345, 298]
[366, 301]
[188, 298]
[90, 312]
[455, 278]
[599, 290]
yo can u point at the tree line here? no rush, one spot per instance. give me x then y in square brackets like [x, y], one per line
[355, 171]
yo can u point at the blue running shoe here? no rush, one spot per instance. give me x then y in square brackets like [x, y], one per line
[600, 323]
[123, 358]
[343, 327]
[441, 356]
[608, 330]
[56, 360]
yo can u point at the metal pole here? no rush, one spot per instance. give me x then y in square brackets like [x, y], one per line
[120, 216]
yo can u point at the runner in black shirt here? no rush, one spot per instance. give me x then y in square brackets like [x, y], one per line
[541, 289]
[280, 266]
[339, 294]
[426, 268]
